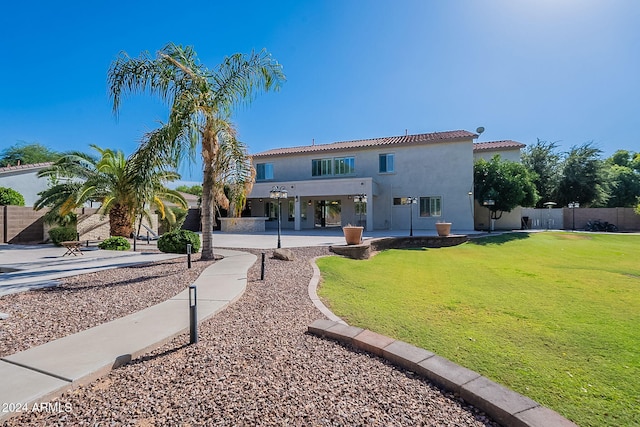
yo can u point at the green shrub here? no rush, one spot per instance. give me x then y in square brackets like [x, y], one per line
[115, 243]
[173, 221]
[9, 196]
[176, 242]
[62, 234]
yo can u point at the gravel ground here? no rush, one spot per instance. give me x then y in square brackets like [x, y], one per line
[82, 302]
[254, 364]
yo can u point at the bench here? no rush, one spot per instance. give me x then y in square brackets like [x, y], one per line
[72, 247]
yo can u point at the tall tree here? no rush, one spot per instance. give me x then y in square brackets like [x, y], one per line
[583, 177]
[201, 102]
[27, 154]
[508, 184]
[542, 159]
[111, 180]
[623, 180]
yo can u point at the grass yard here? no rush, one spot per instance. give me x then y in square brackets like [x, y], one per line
[554, 316]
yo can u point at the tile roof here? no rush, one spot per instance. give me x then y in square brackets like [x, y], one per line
[423, 138]
[25, 167]
[497, 145]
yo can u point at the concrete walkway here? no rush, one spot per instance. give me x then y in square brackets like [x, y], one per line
[40, 372]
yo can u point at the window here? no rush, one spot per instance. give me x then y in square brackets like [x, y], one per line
[386, 163]
[264, 171]
[361, 208]
[320, 167]
[399, 201]
[292, 210]
[431, 206]
[344, 165]
[271, 210]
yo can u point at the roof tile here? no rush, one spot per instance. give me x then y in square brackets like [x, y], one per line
[497, 145]
[423, 138]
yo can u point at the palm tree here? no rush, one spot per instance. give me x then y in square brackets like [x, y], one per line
[201, 102]
[111, 179]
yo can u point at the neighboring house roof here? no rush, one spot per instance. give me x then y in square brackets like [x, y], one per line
[497, 145]
[191, 199]
[26, 168]
[423, 138]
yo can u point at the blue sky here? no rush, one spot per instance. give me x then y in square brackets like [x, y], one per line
[558, 70]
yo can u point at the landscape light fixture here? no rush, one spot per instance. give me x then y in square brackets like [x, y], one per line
[411, 201]
[487, 203]
[279, 193]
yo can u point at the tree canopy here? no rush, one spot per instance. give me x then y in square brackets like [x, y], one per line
[27, 154]
[508, 184]
[544, 162]
[9, 196]
[200, 102]
[583, 177]
[112, 180]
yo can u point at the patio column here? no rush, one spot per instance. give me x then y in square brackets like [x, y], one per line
[297, 221]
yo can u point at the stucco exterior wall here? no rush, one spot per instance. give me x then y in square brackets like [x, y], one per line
[26, 182]
[426, 170]
[512, 155]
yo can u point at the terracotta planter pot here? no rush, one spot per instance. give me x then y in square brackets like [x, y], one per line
[353, 235]
[443, 228]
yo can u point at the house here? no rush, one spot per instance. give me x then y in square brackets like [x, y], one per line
[371, 182]
[24, 179]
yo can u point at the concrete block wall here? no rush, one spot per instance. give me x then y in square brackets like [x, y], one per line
[21, 225]
[625, 218]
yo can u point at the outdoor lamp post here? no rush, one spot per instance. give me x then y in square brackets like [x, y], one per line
[360, 198]
[573, 206]
[549, 205]
[488, 203]
[411, 201]
[278, 193]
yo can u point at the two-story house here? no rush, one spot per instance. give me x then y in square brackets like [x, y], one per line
[326, 182]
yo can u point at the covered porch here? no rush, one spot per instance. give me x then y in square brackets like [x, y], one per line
[317, 203]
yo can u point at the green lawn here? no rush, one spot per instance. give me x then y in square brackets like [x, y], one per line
[554, 316]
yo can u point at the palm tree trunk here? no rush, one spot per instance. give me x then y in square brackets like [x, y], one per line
[209, 148]
[120, 221]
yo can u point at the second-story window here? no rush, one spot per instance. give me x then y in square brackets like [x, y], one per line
[321, 167]
[386, 163]
[264, 171]
[344, 165]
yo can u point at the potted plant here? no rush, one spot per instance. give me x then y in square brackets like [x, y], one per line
[352, 234]
[443, 228]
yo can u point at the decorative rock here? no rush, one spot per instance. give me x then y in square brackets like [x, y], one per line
[3, 316]
[284, 254]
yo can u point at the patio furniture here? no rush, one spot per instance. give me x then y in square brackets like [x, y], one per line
[73, 248]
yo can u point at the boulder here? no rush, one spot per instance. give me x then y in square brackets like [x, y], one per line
[283, 254]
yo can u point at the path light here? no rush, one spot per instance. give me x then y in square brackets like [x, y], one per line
[278, 193]
[487, 203]
[573, 206]
[411, 201]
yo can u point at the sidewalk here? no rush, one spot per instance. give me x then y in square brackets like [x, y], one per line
[27, 267]
[41, 372]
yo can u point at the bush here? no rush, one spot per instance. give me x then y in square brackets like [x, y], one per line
[115, 243]
[176, 242]
[9, 196]
[62, 234]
